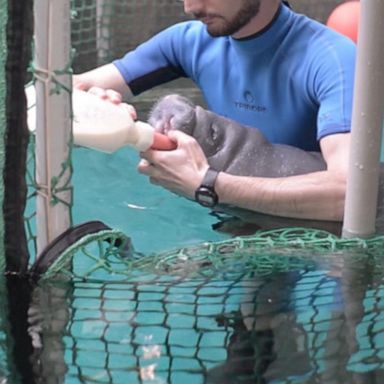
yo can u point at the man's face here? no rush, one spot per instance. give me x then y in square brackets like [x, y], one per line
[223, 17]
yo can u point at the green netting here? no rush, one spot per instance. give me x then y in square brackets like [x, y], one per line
[19, 40]
[15, 43]
[3, 121]
[319, 10]
[30, 210]
[284, 306]
[104, 30]
[289, 306]
[93, 257]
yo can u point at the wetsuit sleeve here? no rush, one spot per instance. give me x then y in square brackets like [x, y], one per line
[333, 86]
[154, 62]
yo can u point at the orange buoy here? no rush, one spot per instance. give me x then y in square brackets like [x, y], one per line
[345, 19]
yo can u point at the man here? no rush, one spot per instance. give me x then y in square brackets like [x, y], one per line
[259, 63]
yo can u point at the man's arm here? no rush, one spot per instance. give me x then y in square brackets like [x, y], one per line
[105, 81]
[318, 195]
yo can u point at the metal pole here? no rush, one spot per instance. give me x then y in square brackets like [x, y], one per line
[367, 120]
[53, 122]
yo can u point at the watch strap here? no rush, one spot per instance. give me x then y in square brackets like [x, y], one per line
[209, 179]
[206, 195]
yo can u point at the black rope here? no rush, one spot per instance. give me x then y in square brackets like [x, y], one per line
[19, 40]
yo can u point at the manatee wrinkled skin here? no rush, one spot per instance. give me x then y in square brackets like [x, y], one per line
[240, 150]
[230, 146]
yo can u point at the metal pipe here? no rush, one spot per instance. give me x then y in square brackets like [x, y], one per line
[367, 120]
[53, 122]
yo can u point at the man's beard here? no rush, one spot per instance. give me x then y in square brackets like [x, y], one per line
[248, 11]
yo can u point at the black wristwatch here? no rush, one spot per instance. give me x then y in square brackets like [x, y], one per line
[206, 195]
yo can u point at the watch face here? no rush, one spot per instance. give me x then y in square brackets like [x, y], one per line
[206, 197]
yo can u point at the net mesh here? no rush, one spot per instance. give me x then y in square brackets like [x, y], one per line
[18, 32]
[285, 306]
[104, 30]
[106, 254]
[3, 48]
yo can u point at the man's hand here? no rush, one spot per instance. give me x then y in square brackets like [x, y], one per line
[105, 94]
[106, 81]
[181, 171]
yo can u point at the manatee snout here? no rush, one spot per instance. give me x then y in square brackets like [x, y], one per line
[173, 112]
[178, 112]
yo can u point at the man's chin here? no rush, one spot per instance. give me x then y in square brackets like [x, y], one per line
[216, 32]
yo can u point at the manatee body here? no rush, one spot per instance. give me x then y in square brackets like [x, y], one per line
[230, 146]
[241, 150]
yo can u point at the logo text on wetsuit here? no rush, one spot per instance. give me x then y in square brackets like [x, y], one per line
[249, 103]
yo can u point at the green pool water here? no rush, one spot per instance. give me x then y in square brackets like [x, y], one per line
[319, 320]
[299, 317]
[109, 188]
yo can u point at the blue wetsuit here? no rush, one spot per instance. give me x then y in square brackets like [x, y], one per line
[293, 80]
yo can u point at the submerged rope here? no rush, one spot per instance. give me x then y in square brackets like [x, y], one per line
[266, 251]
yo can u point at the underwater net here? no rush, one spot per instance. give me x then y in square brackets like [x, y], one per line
[283, 306]
[291, 305]
[111, 251]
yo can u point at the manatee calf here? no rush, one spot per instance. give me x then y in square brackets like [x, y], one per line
[241, 150]
[230, 146]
